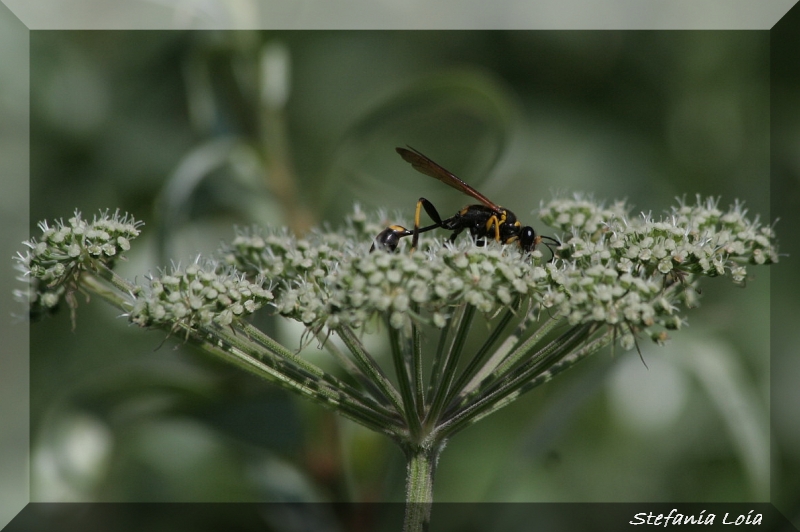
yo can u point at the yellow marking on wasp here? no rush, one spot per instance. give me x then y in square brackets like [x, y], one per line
[493, 220]
[416, 214]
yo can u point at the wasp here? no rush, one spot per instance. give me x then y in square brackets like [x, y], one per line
[485, 221]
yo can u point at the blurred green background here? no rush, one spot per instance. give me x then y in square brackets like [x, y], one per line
[195, 132]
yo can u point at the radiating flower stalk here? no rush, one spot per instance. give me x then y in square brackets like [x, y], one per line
[615, 279]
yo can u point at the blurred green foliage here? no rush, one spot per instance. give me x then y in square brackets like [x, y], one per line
[178, 129]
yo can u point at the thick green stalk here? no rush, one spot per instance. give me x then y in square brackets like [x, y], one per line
[421, 463]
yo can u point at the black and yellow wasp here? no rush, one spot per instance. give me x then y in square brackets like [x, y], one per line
[487, 221]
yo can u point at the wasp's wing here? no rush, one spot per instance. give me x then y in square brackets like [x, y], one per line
[423, 164]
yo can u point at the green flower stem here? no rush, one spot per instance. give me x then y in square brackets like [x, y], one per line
[302, 377]
[120, 283]
[280, 350]
[310, 388]
[314, 370]
[510, 362]
[568, 361]
[512, 359]
[494, 389]
[351, 368]
[540, 361]
[564, 364]
[475, 364]
[396, 341]
[521, 383]
[442, 387]
[369, 366]
[421, 462]
[99, 287]
[328, 385]
[500, 361]
[556, 351]
[418, 380]
[438, 359]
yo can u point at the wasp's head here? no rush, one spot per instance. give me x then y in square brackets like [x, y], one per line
[528, 238]
[389, 238]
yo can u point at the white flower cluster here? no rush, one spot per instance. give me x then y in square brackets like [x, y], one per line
[197, 296]
[410, 286]
[331, 278]
[581, 215]
[637, 272]
[601, 294]
[693, 239]
[66, 249]
[299, 267]
[629, 274]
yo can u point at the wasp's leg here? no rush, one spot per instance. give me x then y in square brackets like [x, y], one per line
[434, 215]
[493, 221]
[389, 238]
[457, 231]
